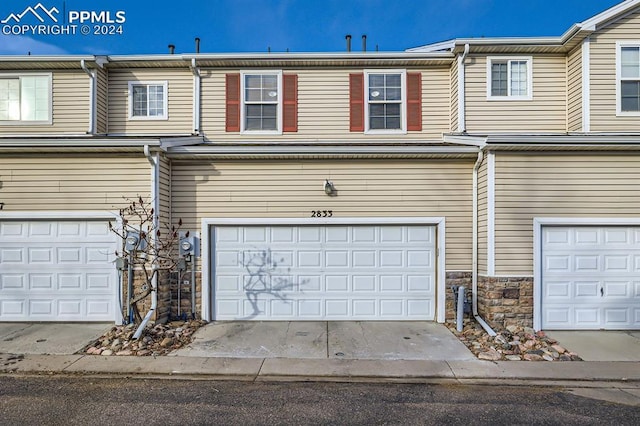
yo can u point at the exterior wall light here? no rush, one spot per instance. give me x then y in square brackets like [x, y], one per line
[329, 189]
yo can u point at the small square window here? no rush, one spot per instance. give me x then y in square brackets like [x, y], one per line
[509, 78]
[148, 100]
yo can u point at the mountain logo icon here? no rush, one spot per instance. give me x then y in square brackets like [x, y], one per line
[38, 11]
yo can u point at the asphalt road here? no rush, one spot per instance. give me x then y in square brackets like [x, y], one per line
[93, 401]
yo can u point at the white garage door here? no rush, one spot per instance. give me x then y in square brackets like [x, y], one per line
[57, 271]
[591, 278]
[324, 272]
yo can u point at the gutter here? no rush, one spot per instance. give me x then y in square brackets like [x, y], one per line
[155, 175]
[92, 96]
[474, 268]
[196, 96]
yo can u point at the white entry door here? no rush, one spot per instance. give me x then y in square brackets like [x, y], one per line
[590, 277]
[57, 270]
[354, 272]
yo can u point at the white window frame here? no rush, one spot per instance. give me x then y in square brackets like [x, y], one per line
[243, 129]
[403, 102]
[165, 103]
[509, 59]
[21, 122]
[619, 46]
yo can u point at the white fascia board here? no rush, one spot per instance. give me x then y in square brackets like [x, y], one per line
[166, 143]
[478, 141]
[320, 150]
[47, 58]
[59, 215]
[586, 85]
[592, 24]
[435, 47]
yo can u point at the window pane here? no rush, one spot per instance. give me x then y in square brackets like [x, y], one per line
[518, 78]
[630, 96]
[10, 99]
[376, 80]
[630, 62]
[253, 123]
[270, 111]
[252, 81]
[394, 94]
[34, 98]
[393, 80]
[139, 101]
[376, 110]
[156, 100]
[253, 95]
[393, 123]
[499, 79]
[376, 123]
[269, 124]
[270, 81]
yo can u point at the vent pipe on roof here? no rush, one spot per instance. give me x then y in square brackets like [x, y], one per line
[364, 42]
[172, 49]
[348, 37]
[197, 44]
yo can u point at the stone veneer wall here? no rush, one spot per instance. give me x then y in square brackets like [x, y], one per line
[454, 278]
[506, 301]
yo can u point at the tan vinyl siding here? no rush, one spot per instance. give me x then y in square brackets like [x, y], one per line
[547, 112]
[603, 76]
[482, 218]
[70, 104]
[574, 90]
[69, 182]
[454, 97]
[165, 190]
[323, 106]
[560, 185]
[385, 188]
[180, 102]
[102, 88]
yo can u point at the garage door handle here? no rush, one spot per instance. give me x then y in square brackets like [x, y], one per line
[601, 292]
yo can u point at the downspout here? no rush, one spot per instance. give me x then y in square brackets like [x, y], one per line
[92, 96]
[155, 174]
[474, 267]
[196, 96]
[462, 125]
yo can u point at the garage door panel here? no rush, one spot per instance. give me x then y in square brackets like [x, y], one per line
[56, 270]
[589, 277]
[324, 272]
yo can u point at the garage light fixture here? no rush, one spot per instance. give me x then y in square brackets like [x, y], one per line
[329, 189]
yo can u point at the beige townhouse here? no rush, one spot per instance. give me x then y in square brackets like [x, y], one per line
[335, 186]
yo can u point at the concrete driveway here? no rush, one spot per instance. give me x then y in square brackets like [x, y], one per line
[600, 345]
[320, 339]
[48, 338]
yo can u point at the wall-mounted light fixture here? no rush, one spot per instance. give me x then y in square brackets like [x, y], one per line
[1, 205]
[329, 189]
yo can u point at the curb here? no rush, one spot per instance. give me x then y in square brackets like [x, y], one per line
[583, 374]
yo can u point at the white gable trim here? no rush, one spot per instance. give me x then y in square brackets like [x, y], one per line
[586, 85]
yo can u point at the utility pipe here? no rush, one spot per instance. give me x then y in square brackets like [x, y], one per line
[462, 125]
[92, 96]
[196, 96]
[474, 261]
[155, 173]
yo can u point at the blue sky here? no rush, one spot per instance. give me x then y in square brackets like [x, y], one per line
[297, 25]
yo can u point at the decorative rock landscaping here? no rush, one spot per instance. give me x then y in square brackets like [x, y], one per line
[513, 343]
[157, 339]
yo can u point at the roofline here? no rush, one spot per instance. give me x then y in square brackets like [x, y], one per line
[592, 23]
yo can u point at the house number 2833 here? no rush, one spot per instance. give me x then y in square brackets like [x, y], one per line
[321, 213]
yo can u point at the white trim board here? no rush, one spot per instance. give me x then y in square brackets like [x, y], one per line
[586, 85]
[538, 223]
[207, 267]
